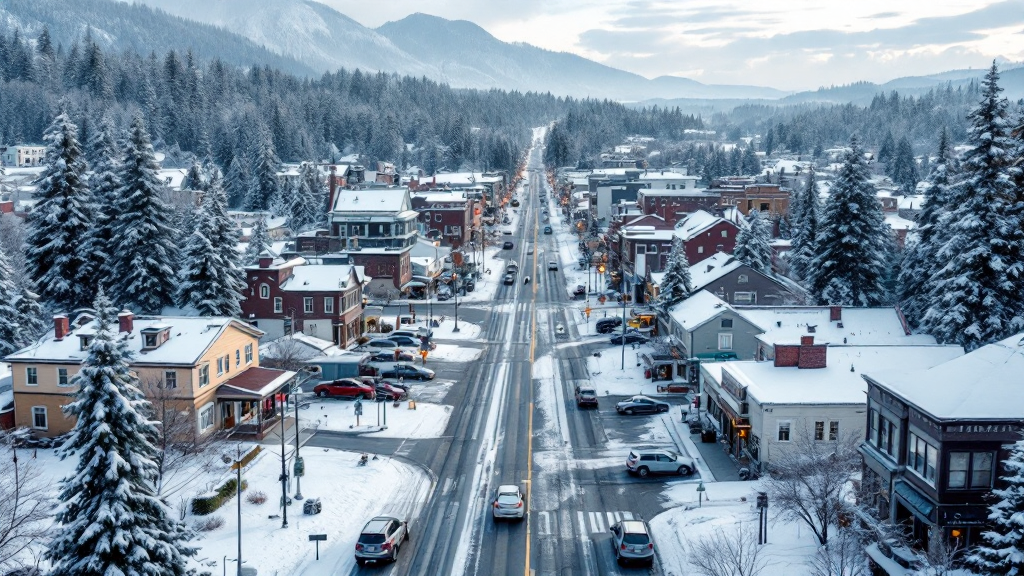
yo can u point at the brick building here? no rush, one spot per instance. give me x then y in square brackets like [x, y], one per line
[446, 215]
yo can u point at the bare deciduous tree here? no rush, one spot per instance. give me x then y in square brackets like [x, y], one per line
[181, 450]
[842, 556]
[25, 505]
[286, 353]
[809, 482]
[727, 553]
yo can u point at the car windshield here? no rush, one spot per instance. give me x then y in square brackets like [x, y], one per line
[587, 392]
[508, 499]
[634, 539]
[371, 538]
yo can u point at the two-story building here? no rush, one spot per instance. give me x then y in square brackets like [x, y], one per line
[734, 282]
[771, 200]
[23, 155]
[673, 205]
[446, 215]
[705, 326]
[320, 300]
[934, 440]
[207, 367]
[704, 234]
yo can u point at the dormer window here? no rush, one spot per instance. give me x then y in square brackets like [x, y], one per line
[154, 336]
[84, 342]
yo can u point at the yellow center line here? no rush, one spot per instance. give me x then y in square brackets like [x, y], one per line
[529, 434]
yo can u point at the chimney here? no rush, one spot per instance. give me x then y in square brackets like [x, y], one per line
[61, 327]
[125, 322]
[266, 261]
[807, 340]
[835, 313]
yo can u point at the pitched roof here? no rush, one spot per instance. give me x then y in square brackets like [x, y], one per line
[323, 278]
[375, 200]
[254, 382]
[699, 309]
[695, 223]
[982, 385]
[860, 326]
[712, 268]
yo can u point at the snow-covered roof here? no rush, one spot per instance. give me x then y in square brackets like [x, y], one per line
[982, 385]
[695, 223]
[424, 248]
[376, 200]
[464, 178]
[712, 268]
[172, 177]
[190, 337]
[915, 202]
[860, 326]
[698, 309]
[441, 196]
[897, 222]
[305, 347]
[646, 232]
[836, 383]
[666, 175]
[323, 278]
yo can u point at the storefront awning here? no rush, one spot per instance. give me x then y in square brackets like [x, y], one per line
[917, 503]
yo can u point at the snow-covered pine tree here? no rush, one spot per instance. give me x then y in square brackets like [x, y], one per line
[147, 256]
[55, 260]
[9, 321]
[31, 317]
[202, 284]
[853, 242]
[194, 179]
[305, 209]
[920, 263]
[676, 286]
[225, 236]
[259, 240]
[753, 243]
[110, 519]
[1002, 551]
[975, 298]
[805, 235]
[237, 181]
[263, 186]
[104, 183]
[903, 168]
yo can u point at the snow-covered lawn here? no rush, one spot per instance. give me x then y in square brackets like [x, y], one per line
[467, 330]
[454, 353]
[428, 420]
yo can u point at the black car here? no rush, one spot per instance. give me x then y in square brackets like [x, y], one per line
[631, 338]
[548, 230]
[508, 245]
[407, 372]
[641, 405]
[390, 357]
[608, 325]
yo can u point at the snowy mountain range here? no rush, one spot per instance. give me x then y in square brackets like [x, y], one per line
[308, 38]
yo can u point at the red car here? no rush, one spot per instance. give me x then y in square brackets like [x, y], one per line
[345, 388]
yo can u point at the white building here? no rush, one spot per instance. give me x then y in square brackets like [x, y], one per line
[23, 155]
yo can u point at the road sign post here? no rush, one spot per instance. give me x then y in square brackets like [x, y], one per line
[318, 538]
[358, 409]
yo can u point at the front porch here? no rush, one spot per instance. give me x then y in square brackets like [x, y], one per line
[250, 403]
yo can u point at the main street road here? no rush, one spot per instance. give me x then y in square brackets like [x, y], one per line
[515, 422]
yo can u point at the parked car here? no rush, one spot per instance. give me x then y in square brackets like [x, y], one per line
[382, 343]
[608, 325]
[586, 396]
[344, 388]
[406, 371]
[388, 392]
[508, 245]
[422, 331]
[654, 461]
[580, 290]
[548, 230]
[509, 279]
[508, 503]
[632, 542]
[442, 296]
[381, 539]
[405, 341]
[390, 357]
[630, 337]
[552, 265]
[641, 405]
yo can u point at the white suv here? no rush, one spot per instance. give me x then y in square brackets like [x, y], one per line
[644, 461]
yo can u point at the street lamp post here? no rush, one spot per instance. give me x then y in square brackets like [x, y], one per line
[622, 290]
[455, 277]
[284, 477]
[298, 467]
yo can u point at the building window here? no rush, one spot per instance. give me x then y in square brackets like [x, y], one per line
[238, 358]
[784, 431]
[31, 377]
[84, 342]
[220, 366]
[204, 375]
[921, 458]
[39, 418]
[437, 217]
[641, 249]
[654, 249]
[206, 417]
[700, 249]
[149, 340]
[328, 305]
[970, 470]
[227, 363]
[725, 233]
[307, 305]
[819, 431]
[725, 341]
[833, 430]
[248, 353]
[727, 323]
[264, 291]
[742, 279]
[62, 376]
[743, 297]
[278, 305]
[170, 379]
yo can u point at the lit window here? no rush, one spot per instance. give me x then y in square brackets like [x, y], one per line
[62, 376]
[39, 418]
[784, 431]
[264, 291]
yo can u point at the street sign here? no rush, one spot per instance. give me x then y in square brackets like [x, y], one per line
[358, 407]
[318, 538]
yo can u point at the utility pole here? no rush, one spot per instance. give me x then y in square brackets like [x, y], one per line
[238, 501]
[623, 287]
[284, 478]
[299, 467]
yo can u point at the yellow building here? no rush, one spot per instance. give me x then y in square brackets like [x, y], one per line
[205, 366]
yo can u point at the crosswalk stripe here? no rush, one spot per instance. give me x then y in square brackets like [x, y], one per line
[583, 522]
[613, 517]
[627, 515]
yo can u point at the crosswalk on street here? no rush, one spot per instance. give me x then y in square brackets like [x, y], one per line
[565, 524]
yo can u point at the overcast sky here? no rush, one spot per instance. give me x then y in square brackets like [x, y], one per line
[786, 44]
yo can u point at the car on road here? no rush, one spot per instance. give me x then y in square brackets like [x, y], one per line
[548, 230]
[508, 245]
[382, 344]
[509, 279]
[580, 290]
[552, 265]
[512, 267]
[407, 372]
[641, 405]
[644, 461]
[344, 388]
[508, 503]
[632, 542]
[405, 341]
[381, 539]
[608, 325]
[586, 397]
[390, 357]
[515, 203]
[630, 337]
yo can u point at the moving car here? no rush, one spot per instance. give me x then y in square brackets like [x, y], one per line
[509, 279]
[630, 337]
[512, 267]
[380, 540]
[508, 245]
[344, 388]
[508, 503]
[552, 265]
[608, 325]
[632, 542]
[641, 405]
[547, 230]
[586, 396]
[406, 371]
[654, 461]
[389, 356]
